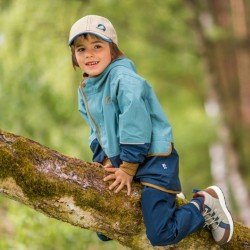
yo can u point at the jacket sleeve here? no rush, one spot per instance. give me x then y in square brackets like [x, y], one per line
[132, 155]
[135, 125]
[98, 153]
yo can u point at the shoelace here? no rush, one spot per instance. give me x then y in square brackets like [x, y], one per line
[211, 220]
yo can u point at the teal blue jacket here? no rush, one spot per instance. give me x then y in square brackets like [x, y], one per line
[128, 124]
[121, 108]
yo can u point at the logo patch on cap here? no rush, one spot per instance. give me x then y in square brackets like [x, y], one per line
[101, 27]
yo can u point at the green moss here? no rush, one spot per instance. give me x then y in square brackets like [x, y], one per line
[7, 163]
[111, 206]
[21, 159]
[241, 238]
[18, 162]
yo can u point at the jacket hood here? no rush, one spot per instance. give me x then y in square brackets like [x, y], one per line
[95, 82]
[123, 61]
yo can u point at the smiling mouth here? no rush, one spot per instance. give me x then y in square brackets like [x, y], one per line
[91, 63]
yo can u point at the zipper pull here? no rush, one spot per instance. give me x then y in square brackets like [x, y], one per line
[84, 77]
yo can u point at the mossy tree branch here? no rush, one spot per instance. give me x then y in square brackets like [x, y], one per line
[72, 190]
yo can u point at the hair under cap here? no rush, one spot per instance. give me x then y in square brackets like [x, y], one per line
[93, 24]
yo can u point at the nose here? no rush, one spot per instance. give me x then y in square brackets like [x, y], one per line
[88, 53]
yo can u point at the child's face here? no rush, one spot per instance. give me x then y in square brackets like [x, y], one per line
[92, 54]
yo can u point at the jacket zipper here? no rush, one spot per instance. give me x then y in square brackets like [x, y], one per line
[91, 117]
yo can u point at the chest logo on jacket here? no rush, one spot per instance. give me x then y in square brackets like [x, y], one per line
[107, 100]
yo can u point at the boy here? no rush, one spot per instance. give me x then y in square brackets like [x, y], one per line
[132, 138]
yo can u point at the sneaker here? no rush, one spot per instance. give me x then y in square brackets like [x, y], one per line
[217, 216]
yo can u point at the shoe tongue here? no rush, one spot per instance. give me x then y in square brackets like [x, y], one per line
[195, 191]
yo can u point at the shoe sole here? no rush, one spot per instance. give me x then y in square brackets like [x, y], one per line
[225, 209]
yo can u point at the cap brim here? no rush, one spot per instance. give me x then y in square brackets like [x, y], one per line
[93, 33]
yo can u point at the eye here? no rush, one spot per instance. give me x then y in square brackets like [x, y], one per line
[97, 46]
[80, 49]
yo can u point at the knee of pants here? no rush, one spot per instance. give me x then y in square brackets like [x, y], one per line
[155, 243]
[155, 240]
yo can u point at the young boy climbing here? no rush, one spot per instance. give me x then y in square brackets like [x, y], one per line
[132, 137]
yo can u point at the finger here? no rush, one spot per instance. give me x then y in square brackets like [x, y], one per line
[113, 185]
[110, 169]
[121, 186]
[108, 166]
[109, 177]
[129, 190]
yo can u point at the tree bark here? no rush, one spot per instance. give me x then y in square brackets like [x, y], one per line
[72, 191]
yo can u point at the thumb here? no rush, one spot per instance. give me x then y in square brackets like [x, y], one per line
[109, 165]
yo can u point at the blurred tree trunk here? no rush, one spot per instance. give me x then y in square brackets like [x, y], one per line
[71, 190]
[222, 29]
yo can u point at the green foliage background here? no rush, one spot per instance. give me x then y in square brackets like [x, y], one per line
[38, 95]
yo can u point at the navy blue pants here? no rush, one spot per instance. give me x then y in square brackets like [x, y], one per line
[165, 223]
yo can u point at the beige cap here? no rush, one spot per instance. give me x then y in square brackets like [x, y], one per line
[92, 24]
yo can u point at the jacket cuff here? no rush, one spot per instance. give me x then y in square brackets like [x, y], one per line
[129, 168]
